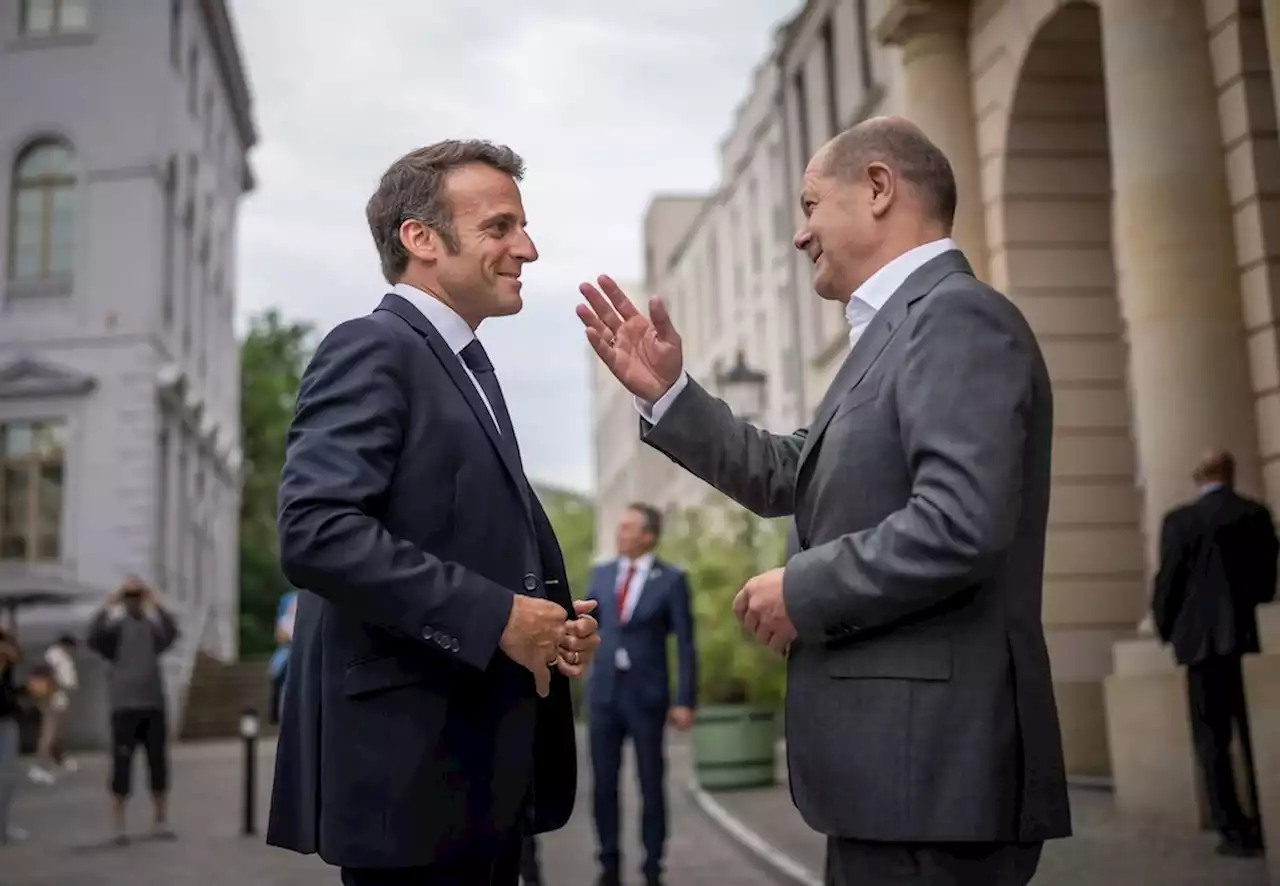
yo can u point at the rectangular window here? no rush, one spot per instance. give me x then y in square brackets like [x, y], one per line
[45, 18]
[864, 46]
[800, 91]
[193, 79]
[175, 34]
[162, 500]
[32, 459]
[169, 233]
[829, 63]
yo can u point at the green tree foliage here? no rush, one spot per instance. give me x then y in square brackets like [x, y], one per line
[273, 356]
[721, 547]
[573, 517]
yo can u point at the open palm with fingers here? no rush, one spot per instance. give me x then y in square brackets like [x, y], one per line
[642, 352]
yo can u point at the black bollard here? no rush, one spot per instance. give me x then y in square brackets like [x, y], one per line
[249, 732]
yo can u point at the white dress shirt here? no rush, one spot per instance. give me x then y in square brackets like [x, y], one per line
[452, 328]
[644, 564]
[859, 311]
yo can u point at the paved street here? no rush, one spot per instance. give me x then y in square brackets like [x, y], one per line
[69, 835]
[1107, 849]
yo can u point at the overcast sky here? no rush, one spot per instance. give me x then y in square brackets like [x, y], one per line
[607, 103]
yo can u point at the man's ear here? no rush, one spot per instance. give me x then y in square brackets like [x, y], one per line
[420, 241]
[884, 186]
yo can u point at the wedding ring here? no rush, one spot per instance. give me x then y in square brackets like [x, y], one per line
[576, 658]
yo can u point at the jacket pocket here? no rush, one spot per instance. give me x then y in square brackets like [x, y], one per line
[919, 657]
[379, 674]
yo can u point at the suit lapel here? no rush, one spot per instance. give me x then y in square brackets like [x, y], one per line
[878, 332]
[453, 366]
[609, 593]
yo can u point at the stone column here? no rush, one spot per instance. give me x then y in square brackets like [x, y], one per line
[934, 37]
[1175, 252]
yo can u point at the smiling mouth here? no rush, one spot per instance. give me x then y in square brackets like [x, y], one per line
[817, 255]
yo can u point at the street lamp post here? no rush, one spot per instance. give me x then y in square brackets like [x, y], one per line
[743, 389]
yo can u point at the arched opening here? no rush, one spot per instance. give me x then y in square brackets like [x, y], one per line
[1054, 239]
[43, 212]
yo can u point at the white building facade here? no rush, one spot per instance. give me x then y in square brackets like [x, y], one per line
[119, 367]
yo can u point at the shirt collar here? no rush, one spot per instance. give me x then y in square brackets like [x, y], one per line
[452, 328]
[871, 296]
[1207, 488]
[643, 562]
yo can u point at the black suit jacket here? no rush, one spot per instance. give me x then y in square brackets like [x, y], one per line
[407, 737]
[1217, 563]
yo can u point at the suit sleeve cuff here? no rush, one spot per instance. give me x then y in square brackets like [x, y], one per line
[653, 412]
[807, 593]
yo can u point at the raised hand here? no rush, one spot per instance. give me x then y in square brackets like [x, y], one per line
[642, 352]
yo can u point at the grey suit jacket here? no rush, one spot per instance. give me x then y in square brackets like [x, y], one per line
[919, 701]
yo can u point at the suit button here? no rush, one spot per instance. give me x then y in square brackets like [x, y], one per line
[453, 644]
[804, 544]
[530, 581]
[427, 633]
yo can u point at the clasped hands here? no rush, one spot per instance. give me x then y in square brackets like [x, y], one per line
[540, 637]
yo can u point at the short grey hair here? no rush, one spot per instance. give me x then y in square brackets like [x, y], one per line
[904, 148]
[413, 188]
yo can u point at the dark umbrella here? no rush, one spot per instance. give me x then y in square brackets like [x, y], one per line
[26, 591]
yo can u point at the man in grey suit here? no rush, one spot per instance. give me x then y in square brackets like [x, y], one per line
[922, 733]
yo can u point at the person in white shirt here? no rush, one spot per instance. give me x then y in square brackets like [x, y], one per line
[60, 657]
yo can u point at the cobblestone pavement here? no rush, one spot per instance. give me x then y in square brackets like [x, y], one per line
[69, 833]
[1107, 849]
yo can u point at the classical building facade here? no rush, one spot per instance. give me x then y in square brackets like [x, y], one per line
[1119, 176]
[119, 378]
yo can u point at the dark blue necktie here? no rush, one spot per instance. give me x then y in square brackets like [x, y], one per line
[475, 358]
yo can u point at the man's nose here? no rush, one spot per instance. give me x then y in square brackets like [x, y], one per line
[802, 239]
[525, 250]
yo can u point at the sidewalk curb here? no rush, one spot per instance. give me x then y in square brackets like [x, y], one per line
[778, 863]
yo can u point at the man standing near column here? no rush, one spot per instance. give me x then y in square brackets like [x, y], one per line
[643, 601]
[1217, 563]
[922, 732]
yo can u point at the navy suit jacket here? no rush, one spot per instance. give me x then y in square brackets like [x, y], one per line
[661, 610]
[407, 737]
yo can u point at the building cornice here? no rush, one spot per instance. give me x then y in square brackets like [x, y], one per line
[28, 377]
[227, 52]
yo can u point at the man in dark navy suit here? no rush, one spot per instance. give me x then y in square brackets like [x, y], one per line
[642, 601]
[1217, 565]
[427, 726]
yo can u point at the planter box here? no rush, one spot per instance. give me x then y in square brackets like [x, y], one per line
[734, 747]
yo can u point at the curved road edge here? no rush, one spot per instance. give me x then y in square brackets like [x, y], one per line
[782, 866]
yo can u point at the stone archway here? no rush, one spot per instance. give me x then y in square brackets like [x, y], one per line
[1048, 177]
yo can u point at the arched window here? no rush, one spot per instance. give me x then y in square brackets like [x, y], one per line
[43, 216]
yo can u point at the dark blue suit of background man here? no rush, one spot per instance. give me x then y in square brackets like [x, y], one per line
[642, 601]
[427, 727]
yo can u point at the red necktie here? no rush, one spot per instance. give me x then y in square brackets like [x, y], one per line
[624, 588]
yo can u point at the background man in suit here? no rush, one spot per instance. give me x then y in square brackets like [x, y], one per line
[1217, 563]
[922, 732]
[643, 601]
[427, 725]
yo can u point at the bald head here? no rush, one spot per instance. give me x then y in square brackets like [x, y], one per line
[900, 145]
[1216, 466]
